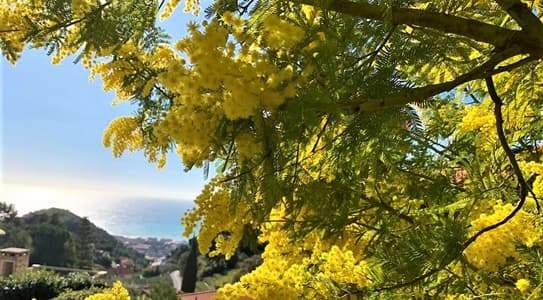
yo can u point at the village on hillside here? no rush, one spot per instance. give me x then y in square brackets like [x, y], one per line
[67, 254]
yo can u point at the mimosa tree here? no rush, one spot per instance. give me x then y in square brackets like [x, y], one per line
[383, 148]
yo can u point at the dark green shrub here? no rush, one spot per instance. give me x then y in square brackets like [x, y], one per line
[78, 295]
[37, 284]
[151, 272]
[79, 281]
[163, 290]
[191, 268]
[42, 284]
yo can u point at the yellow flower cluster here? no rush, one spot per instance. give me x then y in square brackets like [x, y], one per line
[117, 292]
[21, 20]
[310, 13]
[533, 167]
[130, 58]
[192, 131]
[237, 24]
[311, 270]
[247, 83]
[457, 297]
[14, 16]
[523, 285]
[123, 134]
[247, 146]
[81, 7]
[281, 34]
[191, 6]
[193, 118]
[218, 219]
[478, 118]
[492, 249]
[69, 47]
[247, 79]
[341, 267]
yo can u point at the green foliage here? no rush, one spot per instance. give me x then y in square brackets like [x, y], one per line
[15, 237]
[28, 285]
[60, 238]
[404, 258]
[217, 279]
[104, 261]
[214, 272]
[7, 212]
[178, 256]
[163, 290]
[101, 28]
[79, 281]
[151, 272]
[51, 245]
[84, 245]
[78, 295]
[191, 268]
[42, 285]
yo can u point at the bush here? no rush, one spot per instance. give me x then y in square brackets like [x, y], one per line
[80, 281]
[103, 260]
[151, 272]
[78, 295]
[27, 285]
[42, 284]
[163, 290]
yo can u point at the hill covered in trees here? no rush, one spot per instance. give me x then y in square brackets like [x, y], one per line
[58, 237]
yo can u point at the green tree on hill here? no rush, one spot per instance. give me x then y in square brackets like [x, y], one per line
[84, 244]
[51, 245]
[191, 268]
[163, 290]
[7, 212]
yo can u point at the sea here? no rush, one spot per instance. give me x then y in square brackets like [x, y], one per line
[130, 217]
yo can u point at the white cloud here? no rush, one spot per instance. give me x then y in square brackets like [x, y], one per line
[80, 197]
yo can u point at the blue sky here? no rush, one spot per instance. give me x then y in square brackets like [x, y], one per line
[52, 120]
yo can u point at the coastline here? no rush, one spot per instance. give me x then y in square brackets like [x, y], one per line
[129, 217]
[152, 248]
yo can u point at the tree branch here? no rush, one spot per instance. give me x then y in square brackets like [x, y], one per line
[63, 25]
[479, 31]
[524, 189]
[419, 94]
[523, 185]
[524, 17]
[389, 208]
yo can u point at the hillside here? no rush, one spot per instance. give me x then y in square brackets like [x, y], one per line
[52, 234]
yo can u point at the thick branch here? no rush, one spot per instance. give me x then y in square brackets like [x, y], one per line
[524, 17]
[479, 31]
[419, 94]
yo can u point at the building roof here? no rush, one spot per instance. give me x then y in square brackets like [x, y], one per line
[14, 250]
[207, 295]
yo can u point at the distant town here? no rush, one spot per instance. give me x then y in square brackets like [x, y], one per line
[155, 249]
[54, 253]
